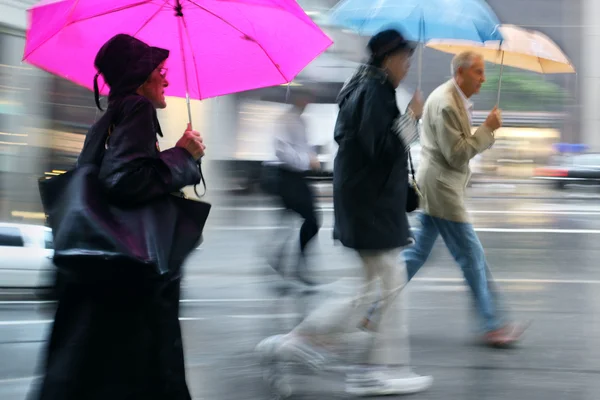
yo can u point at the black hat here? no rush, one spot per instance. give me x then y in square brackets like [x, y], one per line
[388, 42]
[125, 64]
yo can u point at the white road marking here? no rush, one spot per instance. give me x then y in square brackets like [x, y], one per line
[184, 319]
[439, 288]
[519, 280]
[223, 300]
[554, 211]
[417, 287]
[253, 228]
[26, 302]
[534, 212]
[265, 316]
[19, 380]
[487, 230]
[26, 322]
[538, 230]
[249, 208]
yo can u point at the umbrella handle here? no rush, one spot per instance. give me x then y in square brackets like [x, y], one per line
[179, 14]
[419, 65]
[420, 51]
[189, 106]
[500, 80]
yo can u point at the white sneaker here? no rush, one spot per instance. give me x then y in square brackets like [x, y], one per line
[383, 382]
[291, 348]
[267, 348]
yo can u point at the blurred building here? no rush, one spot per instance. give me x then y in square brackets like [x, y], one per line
[43, 118]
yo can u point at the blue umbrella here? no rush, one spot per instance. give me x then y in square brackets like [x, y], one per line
[419, 20]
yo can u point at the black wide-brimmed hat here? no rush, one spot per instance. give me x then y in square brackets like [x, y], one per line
[388, 42]
[125, 63]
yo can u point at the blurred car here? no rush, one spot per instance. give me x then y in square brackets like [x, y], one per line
[563, 170]
[26, 256]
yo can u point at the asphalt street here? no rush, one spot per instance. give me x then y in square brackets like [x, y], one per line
[542, 252]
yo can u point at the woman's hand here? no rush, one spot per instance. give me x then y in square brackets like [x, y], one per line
[192, 142]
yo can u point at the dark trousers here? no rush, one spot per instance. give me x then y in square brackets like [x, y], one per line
[296, 195]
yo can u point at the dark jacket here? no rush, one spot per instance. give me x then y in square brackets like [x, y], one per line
[133, 168]
[121, 340]
[370, 175]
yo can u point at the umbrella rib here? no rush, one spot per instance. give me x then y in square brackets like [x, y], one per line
[312, 25]
[54, 34]
[245, 35]
[67, 23]
[144, 24]
[187, 33]
[537, 55]
[151, 18]
[142, 2]
[541, 65]
[477, 30]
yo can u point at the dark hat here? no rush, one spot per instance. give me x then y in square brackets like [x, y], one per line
[388, 42]
[125, 64]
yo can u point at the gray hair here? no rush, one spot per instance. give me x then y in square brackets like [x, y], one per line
[463, 60]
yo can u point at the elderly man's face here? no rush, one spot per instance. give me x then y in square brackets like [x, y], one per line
[471, 79]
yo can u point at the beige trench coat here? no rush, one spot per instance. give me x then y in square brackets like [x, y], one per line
[447, 146]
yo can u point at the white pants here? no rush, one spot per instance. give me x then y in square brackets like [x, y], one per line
[384, 279]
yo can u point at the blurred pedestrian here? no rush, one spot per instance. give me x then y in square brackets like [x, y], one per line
[447, 147]
[295, 159]
[370, 200]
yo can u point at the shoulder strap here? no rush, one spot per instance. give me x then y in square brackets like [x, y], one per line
[410, 164]
[110, 129]
[202, 180]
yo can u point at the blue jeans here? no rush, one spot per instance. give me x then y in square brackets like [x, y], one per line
[465, 247]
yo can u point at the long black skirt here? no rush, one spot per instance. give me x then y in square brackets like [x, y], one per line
[117, 342]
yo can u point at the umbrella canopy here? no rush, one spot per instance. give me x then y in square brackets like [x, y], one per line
[217, 47]
[419, 20]
[520, 48]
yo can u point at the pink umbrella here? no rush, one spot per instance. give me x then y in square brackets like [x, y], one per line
[217, 47]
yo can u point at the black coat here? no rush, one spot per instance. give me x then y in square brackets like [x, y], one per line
[121, 340]
[370, 175]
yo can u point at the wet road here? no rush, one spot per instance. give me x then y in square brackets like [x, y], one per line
[543, 254]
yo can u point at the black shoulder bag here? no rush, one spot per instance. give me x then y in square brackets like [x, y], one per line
[95, 240]
[413, 194]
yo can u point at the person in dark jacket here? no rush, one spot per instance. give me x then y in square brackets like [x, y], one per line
[121, 339]
[370, 182]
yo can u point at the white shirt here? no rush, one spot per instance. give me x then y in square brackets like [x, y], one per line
[466, 102]
[291, 142]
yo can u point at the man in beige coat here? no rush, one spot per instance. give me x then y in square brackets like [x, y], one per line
[448, 145]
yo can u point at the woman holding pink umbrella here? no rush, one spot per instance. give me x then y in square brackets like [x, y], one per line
[120, 338]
